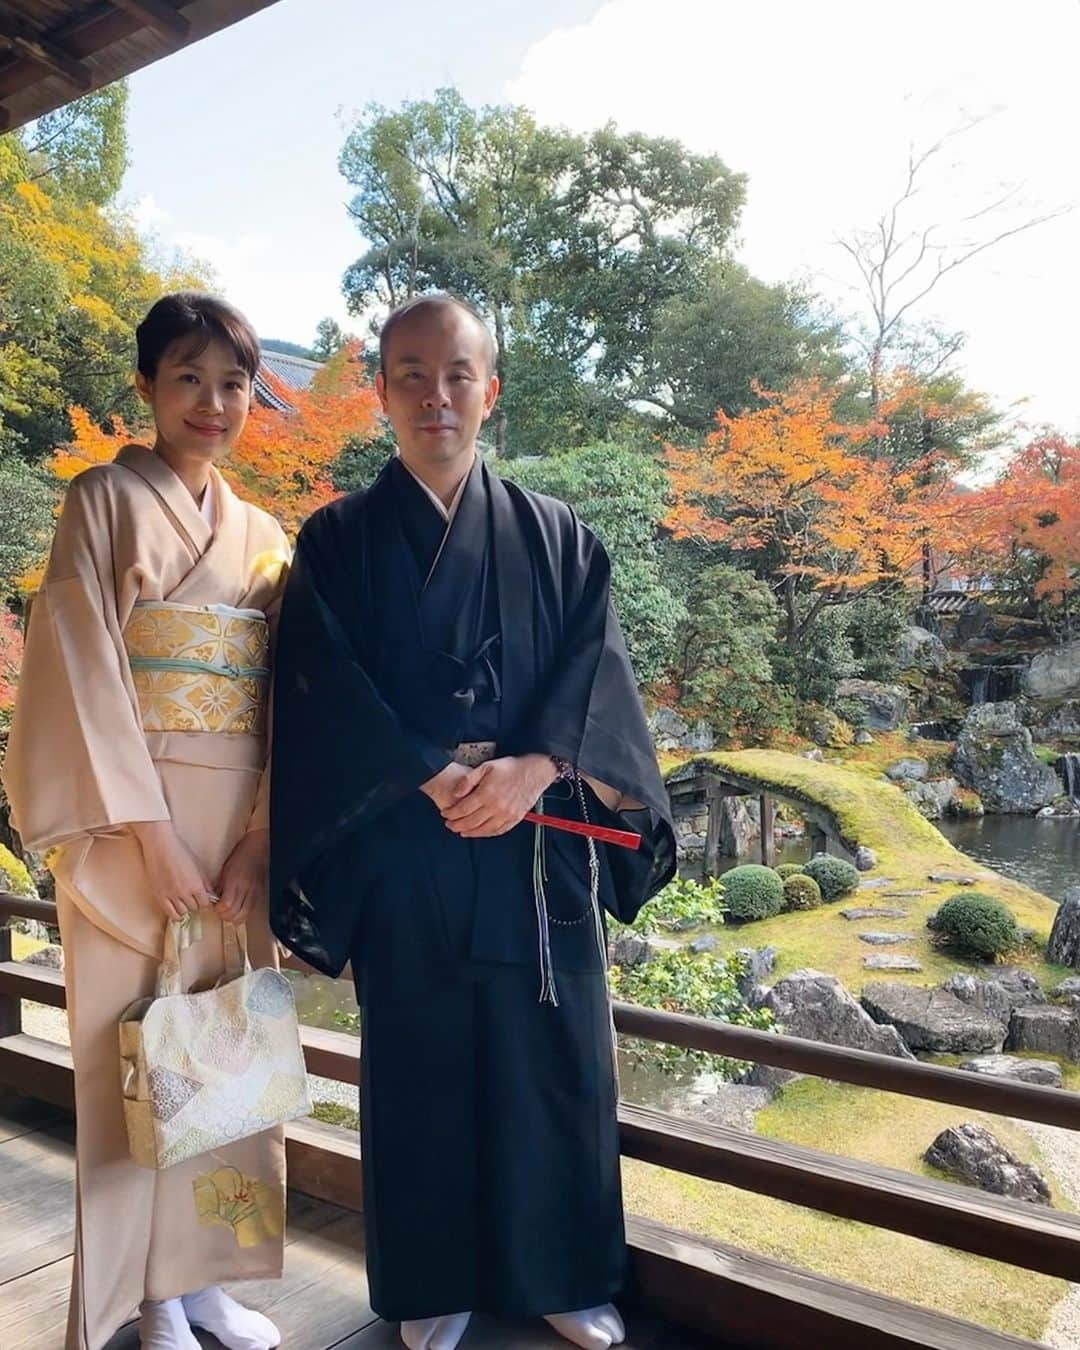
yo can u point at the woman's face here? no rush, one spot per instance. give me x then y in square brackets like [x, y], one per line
[200, 400]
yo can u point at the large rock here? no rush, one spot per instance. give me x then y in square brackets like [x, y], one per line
[972, 1154]
[910, 770]
[1051, 719]
[52, 957]
[999, 993]
[737, 827]
[932, 1019]
[935, 799]
[672, 732]
[817, 1007]
[1068, 990]
[629, 949]
[1041, 1072]
[1054, 673]
[758, 964]
[919, 649]
[884, 706]
[994, 757]
[1046, 1031]
[865, 858]
[1063, 949]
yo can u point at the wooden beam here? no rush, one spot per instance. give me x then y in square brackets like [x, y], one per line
[19, 979]
[768, 829]
[38, 1068]
[748, 1300]
[10, 1006]
[1017, 1232]
[26, 907]
[324, 1161]
[29, 42]
[909, 1077]
[157, 14]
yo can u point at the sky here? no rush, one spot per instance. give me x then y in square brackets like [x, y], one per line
[234, 142]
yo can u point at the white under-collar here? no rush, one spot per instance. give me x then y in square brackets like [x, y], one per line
[447, 512]
[208, 507]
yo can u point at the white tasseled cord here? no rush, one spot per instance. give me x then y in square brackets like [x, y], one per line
[548, 991]
[601, 937]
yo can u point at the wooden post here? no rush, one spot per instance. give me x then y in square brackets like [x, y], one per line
[768, 829]
[10, 1005]
[715, 798]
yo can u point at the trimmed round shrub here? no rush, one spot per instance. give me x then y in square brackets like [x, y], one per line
[977, 925]
[801, 892]
[786, 870]
[836, 877]
[753, 892]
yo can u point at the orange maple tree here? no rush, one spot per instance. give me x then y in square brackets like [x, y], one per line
[1025, 528]
[809, 498]
[282, 461]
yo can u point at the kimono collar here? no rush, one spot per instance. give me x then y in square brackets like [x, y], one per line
[447, 512]
[178, 501]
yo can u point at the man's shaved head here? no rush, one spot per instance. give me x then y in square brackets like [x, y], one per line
[435, 300]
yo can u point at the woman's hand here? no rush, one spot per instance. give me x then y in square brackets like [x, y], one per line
[177, 883]
[243, 878]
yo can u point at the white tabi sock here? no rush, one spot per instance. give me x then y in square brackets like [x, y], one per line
[591, 1328]
[435, 1333]
[236, 1327]
[163, 1325]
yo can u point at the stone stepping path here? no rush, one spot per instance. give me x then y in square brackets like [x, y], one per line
[873, 912]
[885, 939]
[881, 961]
[875, 883]
[902, 895]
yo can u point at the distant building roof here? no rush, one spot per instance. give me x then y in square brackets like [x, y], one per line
[296, 372]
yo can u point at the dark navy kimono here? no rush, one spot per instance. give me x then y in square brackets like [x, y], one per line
[489, 1139]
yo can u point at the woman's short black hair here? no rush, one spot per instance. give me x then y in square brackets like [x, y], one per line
[200, 317]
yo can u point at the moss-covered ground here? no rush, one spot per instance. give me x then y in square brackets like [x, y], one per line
[873, 812]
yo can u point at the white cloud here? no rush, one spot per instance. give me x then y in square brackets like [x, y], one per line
[818, 104]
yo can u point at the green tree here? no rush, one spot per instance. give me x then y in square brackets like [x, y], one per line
[75, 279]
[81, 149]
[722, 669]
[571, 244]
[711, 347]
[619, 493]
[26, 520]
[329, 339]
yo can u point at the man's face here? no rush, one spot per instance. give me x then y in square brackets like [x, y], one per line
[436, 388]
[200, 402]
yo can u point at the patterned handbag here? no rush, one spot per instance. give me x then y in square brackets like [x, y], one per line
[201, 1071]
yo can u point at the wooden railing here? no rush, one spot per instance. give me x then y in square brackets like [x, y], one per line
[702, 1283]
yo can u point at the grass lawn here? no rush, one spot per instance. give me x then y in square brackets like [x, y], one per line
[873, 812]
[877, 1127]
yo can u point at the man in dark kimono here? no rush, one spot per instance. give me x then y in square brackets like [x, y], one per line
[447, 661]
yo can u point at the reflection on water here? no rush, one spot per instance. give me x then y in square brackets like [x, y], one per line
[1043, 854]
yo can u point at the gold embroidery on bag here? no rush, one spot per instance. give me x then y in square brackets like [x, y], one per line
[252, 1209]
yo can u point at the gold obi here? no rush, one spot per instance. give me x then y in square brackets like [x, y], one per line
[199, 667]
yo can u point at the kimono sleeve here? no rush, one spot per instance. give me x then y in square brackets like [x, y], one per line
[341, 757]
[77, 759]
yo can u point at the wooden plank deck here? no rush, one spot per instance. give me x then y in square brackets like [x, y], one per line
[320, 1304]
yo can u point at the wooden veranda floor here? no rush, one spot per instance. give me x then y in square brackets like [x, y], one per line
[321, 1304]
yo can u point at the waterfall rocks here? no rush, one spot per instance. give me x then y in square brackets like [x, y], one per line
[1063, 949]
[995, 758]
[1054, 673]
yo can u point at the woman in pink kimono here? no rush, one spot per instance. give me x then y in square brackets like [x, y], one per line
[137, 758]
